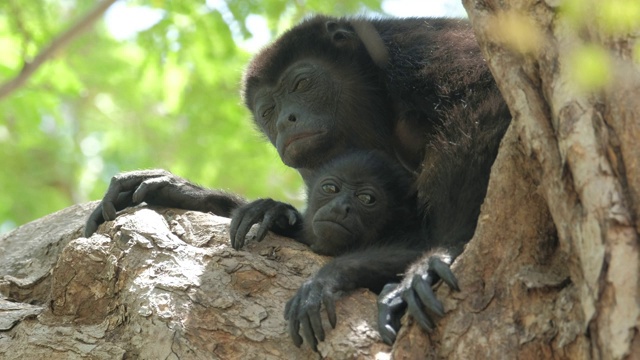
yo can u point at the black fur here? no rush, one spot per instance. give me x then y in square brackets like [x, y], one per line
[425, 96]
[361, 209]
[370, 174]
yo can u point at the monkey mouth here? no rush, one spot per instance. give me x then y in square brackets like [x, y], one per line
[301, 136]
[335, 228]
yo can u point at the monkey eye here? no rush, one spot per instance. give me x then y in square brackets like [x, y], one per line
[366, 199]
[267, 112]
[330, 188]
[300, 84]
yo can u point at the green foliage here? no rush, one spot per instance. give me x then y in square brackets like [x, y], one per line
[617, 17]
[590, 65]
[590, 68]
[166, 98]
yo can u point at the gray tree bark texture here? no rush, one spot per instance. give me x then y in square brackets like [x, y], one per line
[161, 284]
[553, 269]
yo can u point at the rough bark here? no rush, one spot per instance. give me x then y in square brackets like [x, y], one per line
[553, 270]
[161, 283]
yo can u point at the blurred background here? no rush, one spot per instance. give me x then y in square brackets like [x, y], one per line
[148, 84]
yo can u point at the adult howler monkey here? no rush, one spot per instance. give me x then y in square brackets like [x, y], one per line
[417, 89]
[361, 209]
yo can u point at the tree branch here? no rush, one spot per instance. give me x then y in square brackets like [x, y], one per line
[57, 44]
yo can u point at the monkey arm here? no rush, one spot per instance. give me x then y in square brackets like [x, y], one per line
[370, 267]
[159, 187]
[463, 164]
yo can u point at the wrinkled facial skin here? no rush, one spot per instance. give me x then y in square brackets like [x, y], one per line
[319, 91]
[349, 214]
[298, 115]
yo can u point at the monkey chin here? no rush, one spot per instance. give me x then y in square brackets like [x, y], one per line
[333, 238]
[308, 151]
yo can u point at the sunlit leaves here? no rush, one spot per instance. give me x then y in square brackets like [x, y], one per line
[616, 17]
[517, 31]
[175, 78]
[589, 67]
[164, 97]
[620, 16]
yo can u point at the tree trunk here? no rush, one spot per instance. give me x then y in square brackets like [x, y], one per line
[553, 269]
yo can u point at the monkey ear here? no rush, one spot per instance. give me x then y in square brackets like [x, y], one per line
[348, 35]
[370, 38]
[339, 32]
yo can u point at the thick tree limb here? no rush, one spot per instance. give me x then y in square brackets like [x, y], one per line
[56, 45]
[161, 283]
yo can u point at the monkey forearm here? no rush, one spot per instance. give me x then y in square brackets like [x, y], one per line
[193, 197]
[371, 268]
[159, 187]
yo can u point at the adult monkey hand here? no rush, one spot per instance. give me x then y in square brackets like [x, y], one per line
[158, 187]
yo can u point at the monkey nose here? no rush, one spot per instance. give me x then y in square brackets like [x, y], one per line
[345, 210]
[292, 118]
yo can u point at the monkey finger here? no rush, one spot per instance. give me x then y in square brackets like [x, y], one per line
[242, 221]
[108, 202]
[388, 333]
[310, 297]
[148, 185]
[294, 325]
[241, 234]
[265, 225]
[415, 310]
[262, 232]
[124, 183]
[387, 289]
[234, 228]
[90, 228]
[258, 214]
[292, 215]
[108, 210]
[427, 297]
[123, 200]
[330, 308]
[237, 240]
[307, 333]
[391, 307]
[285, 218]
[391, 297]
[388, 324]
[95, 219]
[316, 324]
[140, 192]
[444, 272]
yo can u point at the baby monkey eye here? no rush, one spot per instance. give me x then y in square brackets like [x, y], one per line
[330, 188]
[366, 199]
[267, 112]
[300, 84]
